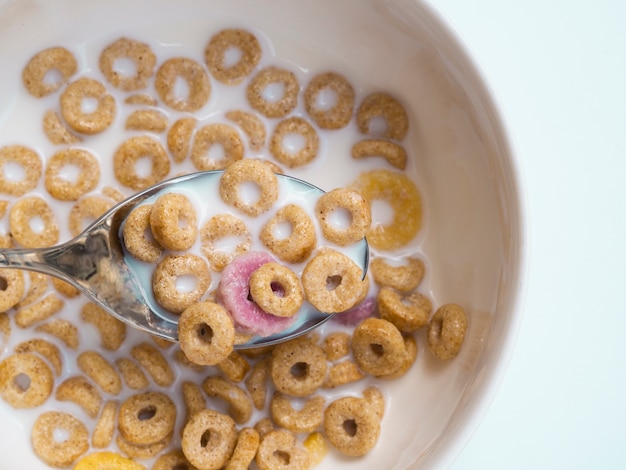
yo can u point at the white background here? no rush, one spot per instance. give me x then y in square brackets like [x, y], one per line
[558, 73]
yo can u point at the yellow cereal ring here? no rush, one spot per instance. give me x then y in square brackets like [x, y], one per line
[408, 312]
[142, 56]
[317, 447]
[107, 460]
[298, 157]
[197, 82]
[81, 392]
[209, 439]
[216, 134]
[146, 418]
[390, 151]
[387, 107]
[54, 58]
[54, 452]
[173, 222]
[63, 189]
[28, 160]
[130, 152]
[92, 122]
[298, 367]
[446, 331]
[22, 212]
[249, 171]
[359, 217]
[299, 244]
[220, 43]
[276, 289]
[166, 292]
[340, 113]
[397, 190]
[274, 108]
[26, 381]
[134, 234]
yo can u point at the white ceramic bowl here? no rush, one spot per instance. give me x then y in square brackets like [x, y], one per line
[474, 228]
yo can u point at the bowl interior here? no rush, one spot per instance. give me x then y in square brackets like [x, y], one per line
[472, 236]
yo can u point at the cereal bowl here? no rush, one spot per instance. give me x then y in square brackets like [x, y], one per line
[467, 213]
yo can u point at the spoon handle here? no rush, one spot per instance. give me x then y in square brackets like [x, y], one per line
[31, 260]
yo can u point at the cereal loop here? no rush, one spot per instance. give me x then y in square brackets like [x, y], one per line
[301, 241]
[81, 392]
[245, 450]
[12, 283]
[245, 172]
[98, 369]
[273, 108]
[298, 367]
[378, 347]
[146, 418]
[50, 352]
[151, 359]
[209, 439]
[352, 425]
[63, 330]
[150, 120]
[340, 113]
[112, 331]
[330, 207]
[305, 419]
[276, 289]
[197, 82]
[169, 270]
[56, 130]
[173, 460]
[130, 152]
[301, 155]
[20, 217]
[403, 277]
[72, 100]
[279, 449]
[239, 403]
[220, 227]
[179, 138]
[216, 134]
[34, 75]
[85, 211]
[218, 47]
[104, 430]
[139, 53]
[446, 331]
[252, 126]
[30, 164]
[26, 381]
[174, 222]
[64, 189]
[135, 234]
[390, 151]
[54, 452]
[408, 312]
[206, 333]
[385, 106]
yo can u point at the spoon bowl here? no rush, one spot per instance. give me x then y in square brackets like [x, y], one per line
[97, 263]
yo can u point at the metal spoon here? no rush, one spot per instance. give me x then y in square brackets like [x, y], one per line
[95, 262]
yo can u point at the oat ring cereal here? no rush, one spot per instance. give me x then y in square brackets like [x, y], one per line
[136, 241]
[169, 270]
[52, 451]
[383, 105]
[400, 193]
[197, 81]
[446, 331]
[378, 347]
[209, 439]
[408, 312]
[404, 277]
[216, 134]
[298, 367]
[130, 152]
[358, 216]
[273, 108]
[218, 47]
[299, 244]
[279, 449]
[390, 151]
[174, 222]
[298, 126]
[72, 100]
[249, 172]
[276, 289]
[333, 282]
[85, 211]
[146, 418]
[54, 58]
[12, 282]
[340, 113]
[142, 56]
[220, 227]
[239, 402]
[20, 216]
[352, 425]
[305, 419]
[206, 333]
[65, 189]
[26, 381]
[30, 163]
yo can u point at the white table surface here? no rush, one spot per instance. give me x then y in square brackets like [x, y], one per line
[558, 72]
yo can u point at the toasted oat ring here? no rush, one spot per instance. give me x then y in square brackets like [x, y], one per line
[151, 359]
[26, 381]
[174, 222]
[390, 151]
[81, 392]
[98, 369]
[276, 289]
[133, 377]
[333, 282]
[193, 398]
[135, 236]
[169, 270]
[402, 195]
[52, 451]
[146, 418]
[408, 312]
[127, 155]
[212, 451]
[143, 451]
[13, 283]
[305, 419]
[142, 56]
[446, 331]
[217, 228]
[245, 450]
[151, 120]
[411, 355]
[56, 130]
[342, 373]
[299, 244]
[249, 171]
[105, 427]
[27, 209]
[85, 211]
[298, 367]
[378, 347]
[256, 382]
[405, 277]
[172, 460]
[352, 425]
[273, 108]
[179, 138]
[38, 311]
[294, 125]
[195, 76]
[61, 329]
[46, 349]
[251, 125]
[279, 449]
[30, 163]
[66, 190]
[213, 134]
[359, 216]
[206, 333]
[218, 46]
[387, 107]
[55, 58]
[340, 113]
[239, 403]
[72, 111]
